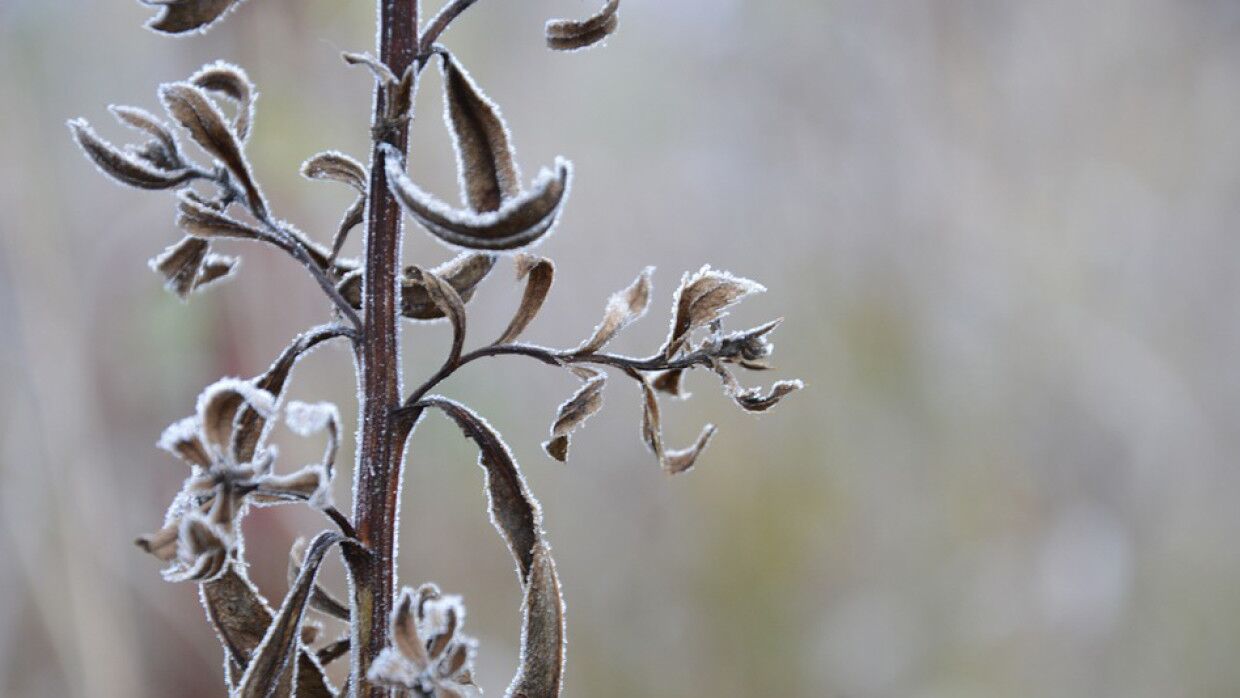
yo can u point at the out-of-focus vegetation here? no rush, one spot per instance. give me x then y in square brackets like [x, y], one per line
[1004, 238]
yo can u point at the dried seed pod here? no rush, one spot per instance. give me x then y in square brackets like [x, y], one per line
[180, 16]
[539, 273]
[572, 35]
[189, 105]
[574, 412]
[623, 308]
[126, 168]
[519, 222]
[703, 298]
[232, 82]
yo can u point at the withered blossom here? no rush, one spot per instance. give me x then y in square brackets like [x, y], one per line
[429, 655]
[201, 526]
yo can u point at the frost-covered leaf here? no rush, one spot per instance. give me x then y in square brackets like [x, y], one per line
[514, 511]
[574, 412]
[335, 166]
[623, 308]
[518, 222]
[272, 661]
[485, 158]
[180, 263]
[180, 16]
[146, 122]
[215, 268]
[571, 35]
[250, 422]
[241, 617]
[205, 222]
[542, 632]
[675, 461]
[463, 273]
[539, 272]
[126, 168]
[321, 600]
[754, 401]
[703, 298]
[670, 382]
[190, 106]
[380, 70]
[449, 302]
[352, 218]
[232, 82]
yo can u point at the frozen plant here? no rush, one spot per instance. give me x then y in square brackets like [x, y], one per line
[405, 642]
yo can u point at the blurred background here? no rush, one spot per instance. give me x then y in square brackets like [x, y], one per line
[1002, 234]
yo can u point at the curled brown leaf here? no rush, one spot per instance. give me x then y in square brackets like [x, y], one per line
[701, 299]
[539, 273]
[485, 158]
[464, 272]
[273, 661]
[572, 35]
[623, 307]
[321, 600]
[520, 221]
[543, 644]
[146, 122]
[335, 166]
[180, 16]
[574, 412]
[180, 264]
[190, 106]
[126, 168]
[449, 302]
[205, 222]
[232, 82]
[514, 511]
[672, 461]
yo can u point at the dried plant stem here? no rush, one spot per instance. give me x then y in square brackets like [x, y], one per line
[380, 453]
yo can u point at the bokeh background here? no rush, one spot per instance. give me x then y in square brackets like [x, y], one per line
[1004, 238]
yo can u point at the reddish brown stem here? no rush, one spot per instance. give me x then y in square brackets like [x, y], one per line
[380, 451]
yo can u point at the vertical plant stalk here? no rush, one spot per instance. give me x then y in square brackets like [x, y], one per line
[380, 452]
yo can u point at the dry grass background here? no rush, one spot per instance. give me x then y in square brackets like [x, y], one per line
[1004, 236]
